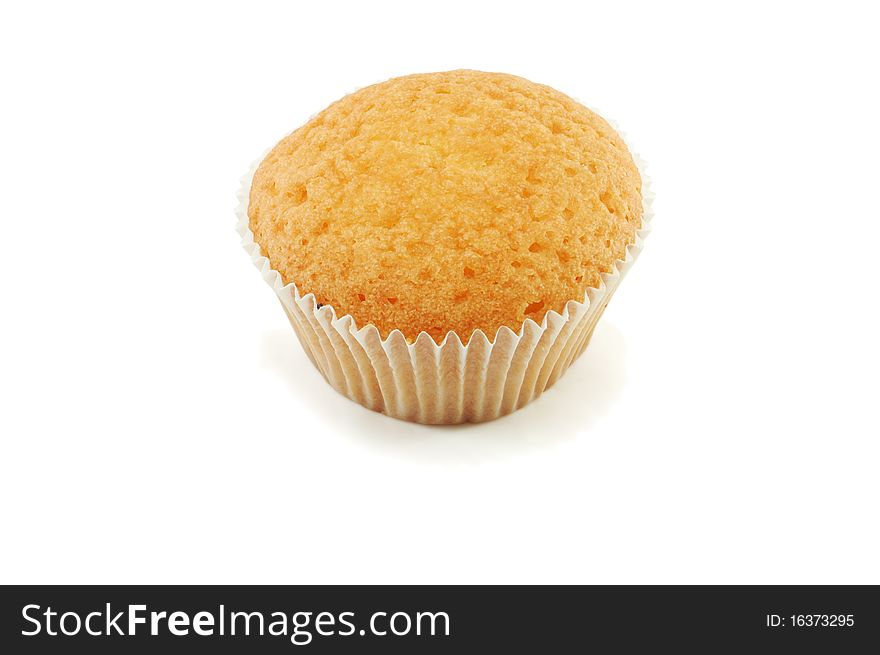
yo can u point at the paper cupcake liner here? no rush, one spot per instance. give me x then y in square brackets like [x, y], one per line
[452, 382]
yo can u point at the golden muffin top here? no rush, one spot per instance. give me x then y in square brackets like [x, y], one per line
[447, 202]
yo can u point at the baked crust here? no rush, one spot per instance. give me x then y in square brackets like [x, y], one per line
[448, 201]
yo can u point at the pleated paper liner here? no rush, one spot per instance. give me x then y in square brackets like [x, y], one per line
[453, 382]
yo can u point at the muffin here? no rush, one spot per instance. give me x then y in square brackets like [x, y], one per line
[444, 243]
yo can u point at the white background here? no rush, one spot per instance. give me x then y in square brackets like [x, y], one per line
[161, 424]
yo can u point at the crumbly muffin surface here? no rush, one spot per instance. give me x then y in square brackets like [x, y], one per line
[447, 202]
